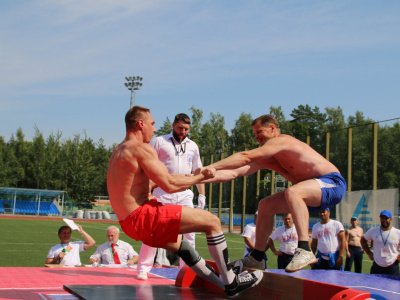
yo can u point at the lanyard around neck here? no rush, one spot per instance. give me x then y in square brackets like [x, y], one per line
[385, 241]
[181, 147]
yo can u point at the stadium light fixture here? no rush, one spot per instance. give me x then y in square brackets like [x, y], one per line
[133, 83]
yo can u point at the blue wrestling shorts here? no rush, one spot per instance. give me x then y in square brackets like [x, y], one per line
[333, 187]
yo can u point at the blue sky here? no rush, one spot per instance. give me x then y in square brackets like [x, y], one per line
[63, 63]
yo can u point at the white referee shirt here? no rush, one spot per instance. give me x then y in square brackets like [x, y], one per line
[179, 158]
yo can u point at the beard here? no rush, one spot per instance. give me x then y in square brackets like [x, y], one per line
[177, 137]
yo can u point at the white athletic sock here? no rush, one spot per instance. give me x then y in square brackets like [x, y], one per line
[204, 271]
[219, 252]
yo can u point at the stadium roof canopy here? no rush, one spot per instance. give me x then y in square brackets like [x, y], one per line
[37, 193]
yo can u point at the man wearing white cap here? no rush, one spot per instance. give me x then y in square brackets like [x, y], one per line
[386, 241]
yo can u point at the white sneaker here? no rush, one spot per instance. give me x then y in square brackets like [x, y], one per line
[301, 259]
[142, 276]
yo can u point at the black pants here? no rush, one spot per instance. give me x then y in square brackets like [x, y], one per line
[284, 260]
[356, 256]
[324, 265]
[389, 270]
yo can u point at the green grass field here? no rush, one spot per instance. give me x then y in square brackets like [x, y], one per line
[25, 243]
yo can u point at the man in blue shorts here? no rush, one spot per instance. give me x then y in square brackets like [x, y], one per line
[316, 182]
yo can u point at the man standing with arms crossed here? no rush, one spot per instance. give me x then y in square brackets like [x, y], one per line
[316, 182]
[180, 155]
[132, 171]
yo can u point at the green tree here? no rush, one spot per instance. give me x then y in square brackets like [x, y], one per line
[242, 134]
[36, 170]
[165, 128]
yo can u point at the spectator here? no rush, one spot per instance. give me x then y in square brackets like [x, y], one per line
[354, 251]
[386, 242]
[180, 155]
[66, 253]
[329, 239]
[287, 236]
[114, 251]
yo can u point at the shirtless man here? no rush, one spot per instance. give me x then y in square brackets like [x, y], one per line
[316, 183]
[133, 169]
[353, 246]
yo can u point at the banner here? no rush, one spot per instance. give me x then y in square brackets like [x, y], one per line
[366, 206]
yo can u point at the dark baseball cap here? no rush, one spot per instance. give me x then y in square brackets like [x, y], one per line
[385, 213]
[353, 219]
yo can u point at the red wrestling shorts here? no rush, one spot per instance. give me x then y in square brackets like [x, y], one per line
[153, 223]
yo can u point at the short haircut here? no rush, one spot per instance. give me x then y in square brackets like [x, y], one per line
[112, 227]
[133, 115]
[64, 227]
[265, 120]
[182, 117]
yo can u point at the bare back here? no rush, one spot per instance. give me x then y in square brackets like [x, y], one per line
[127, 184]
[291, 158]
[131, 167]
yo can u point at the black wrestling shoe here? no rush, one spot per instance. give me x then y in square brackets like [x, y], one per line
[236, 266]
[243, 281]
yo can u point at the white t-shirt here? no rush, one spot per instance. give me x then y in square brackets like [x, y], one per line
[249, 231]
[179, 158]
[386, 245]
[104, 253]
[288, 238]
[327, 236]
[72, 249]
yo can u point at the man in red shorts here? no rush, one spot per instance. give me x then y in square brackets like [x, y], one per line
[133, 170]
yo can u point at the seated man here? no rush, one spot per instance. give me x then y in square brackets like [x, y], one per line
[114, 251]
[66, 253]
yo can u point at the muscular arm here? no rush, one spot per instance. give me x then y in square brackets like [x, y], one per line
[364, 245]
[239, 159]
[229, 174]
[158, 173]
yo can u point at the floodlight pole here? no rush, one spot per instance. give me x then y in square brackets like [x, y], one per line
[133, 83]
